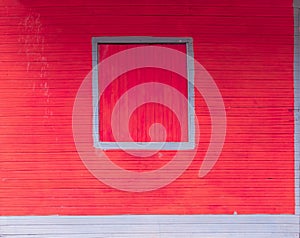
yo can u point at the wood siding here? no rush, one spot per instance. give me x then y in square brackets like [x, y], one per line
[45, 54]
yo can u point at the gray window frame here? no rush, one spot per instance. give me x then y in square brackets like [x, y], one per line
[190, 144]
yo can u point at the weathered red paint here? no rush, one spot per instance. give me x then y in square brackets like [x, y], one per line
[247, 46]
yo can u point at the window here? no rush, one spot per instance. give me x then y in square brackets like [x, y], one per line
[136, 104]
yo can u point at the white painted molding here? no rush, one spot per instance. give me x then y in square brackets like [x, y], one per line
[296, 3]
[217, 226]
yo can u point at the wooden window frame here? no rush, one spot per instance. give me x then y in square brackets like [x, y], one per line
[104, 145]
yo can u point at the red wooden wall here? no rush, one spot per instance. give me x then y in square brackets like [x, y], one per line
[46, 52]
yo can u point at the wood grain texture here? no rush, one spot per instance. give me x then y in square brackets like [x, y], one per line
[46, 52]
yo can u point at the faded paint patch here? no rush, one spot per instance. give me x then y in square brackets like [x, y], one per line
[32, 44]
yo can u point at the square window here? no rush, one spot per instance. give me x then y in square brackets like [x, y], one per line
[132, 101]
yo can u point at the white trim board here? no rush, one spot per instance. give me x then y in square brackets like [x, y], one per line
[297, 103]
[296, 3]
[152, 226]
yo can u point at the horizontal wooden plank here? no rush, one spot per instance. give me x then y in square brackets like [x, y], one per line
[54, 183]
[242, 165]
[264, 3]
[179, 9]
[218, 16]
[83, 173]
[138, 210]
